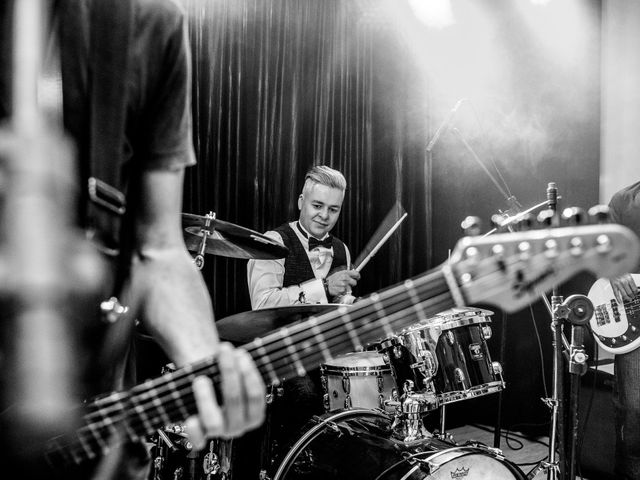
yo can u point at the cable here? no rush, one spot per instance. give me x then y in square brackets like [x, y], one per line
[535, 327]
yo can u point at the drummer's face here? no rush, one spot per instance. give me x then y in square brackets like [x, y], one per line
[320, 208]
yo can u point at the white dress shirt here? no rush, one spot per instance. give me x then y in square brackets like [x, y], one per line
[266, 277]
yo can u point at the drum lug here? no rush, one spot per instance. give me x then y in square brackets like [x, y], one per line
[497, 368]
[397, 352]
[487, 333]
[407, 388]
[346, 385]
[210, 463]
[347, 402]
[459, 376]
[450, 337]
[325, 402]
[431, 367]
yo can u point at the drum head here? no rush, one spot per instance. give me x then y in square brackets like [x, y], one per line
[470, 463]
[356, 360]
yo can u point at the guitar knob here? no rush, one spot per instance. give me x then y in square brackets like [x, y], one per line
[574, 216]
[472, 226]
[600, 214]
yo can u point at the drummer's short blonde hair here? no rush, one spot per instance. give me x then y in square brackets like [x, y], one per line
[324, 175]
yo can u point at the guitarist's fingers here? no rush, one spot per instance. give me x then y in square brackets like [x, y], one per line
[233, 396]
[195, 432]
[624, 288]
[630, 287]
[210, 421]
[254, 389]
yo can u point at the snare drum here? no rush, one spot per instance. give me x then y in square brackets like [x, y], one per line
[358, 379]
[446, 354]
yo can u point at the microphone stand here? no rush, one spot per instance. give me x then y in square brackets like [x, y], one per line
[556, 463]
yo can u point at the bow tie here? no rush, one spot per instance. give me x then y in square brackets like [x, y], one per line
[326, 243]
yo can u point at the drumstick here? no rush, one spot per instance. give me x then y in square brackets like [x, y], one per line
[380, 243]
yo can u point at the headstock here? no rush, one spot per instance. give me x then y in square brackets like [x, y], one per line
[511, 269]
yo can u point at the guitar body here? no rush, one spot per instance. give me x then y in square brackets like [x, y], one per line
[616, 327]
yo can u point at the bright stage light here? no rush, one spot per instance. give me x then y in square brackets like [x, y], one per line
[433, 13]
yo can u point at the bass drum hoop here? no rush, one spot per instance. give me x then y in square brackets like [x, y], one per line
[310, 435]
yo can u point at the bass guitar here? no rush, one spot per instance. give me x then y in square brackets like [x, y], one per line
[615, 326]
[509, 270]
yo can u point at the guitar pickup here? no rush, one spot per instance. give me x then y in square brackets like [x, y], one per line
[602, 315]
[614, 309]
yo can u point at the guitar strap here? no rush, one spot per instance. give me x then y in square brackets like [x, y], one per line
[109, 212]
[109, 209]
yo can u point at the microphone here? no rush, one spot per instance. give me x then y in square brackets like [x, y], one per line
[552, 196]
[445, 125]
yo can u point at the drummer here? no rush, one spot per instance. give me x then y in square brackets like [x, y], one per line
[316, 270]
[318, 267]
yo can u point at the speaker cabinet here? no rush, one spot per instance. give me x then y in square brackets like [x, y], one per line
[596, 425]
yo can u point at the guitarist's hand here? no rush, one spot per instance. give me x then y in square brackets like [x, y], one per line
[624, 287]
[244, 399]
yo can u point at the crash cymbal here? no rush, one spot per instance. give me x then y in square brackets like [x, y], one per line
[243, 327]
[228, 240]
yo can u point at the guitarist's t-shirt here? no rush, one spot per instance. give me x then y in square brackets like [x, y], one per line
[625, 210]
[158, 131]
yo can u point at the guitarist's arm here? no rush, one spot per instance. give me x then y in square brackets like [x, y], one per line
[175, 308]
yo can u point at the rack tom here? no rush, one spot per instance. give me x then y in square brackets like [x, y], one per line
[447, 355]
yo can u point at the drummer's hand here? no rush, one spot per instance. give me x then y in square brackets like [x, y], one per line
[624, 287]
[244, 399]
[341, 283]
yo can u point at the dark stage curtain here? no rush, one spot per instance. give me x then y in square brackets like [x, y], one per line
[282, 85]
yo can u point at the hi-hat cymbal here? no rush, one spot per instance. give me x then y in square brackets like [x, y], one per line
[244, 327]
[228, 240]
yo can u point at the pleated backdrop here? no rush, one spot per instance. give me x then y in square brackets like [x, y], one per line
[280, 86]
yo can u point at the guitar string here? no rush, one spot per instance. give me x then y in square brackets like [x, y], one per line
[165, 398]
[185, 378]
[295, 338]
[277, 338]
[328, 325]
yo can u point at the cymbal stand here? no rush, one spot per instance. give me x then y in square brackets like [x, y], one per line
[199, 258]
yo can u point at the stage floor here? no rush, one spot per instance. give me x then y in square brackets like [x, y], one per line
[520, 449]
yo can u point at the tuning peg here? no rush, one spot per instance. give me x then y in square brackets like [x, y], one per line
[600, 214]
[525, 223]
[472, 226]
[546, 218]
[574, 216]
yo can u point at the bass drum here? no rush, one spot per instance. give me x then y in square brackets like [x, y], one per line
[358, 445]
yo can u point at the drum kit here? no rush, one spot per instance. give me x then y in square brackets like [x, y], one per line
[376, 401]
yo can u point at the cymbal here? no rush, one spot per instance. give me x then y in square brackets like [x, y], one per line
[243, 327]
[228, 240]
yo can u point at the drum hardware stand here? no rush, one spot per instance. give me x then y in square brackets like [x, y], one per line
[577, 310]
[199, 258]
[408, 410]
